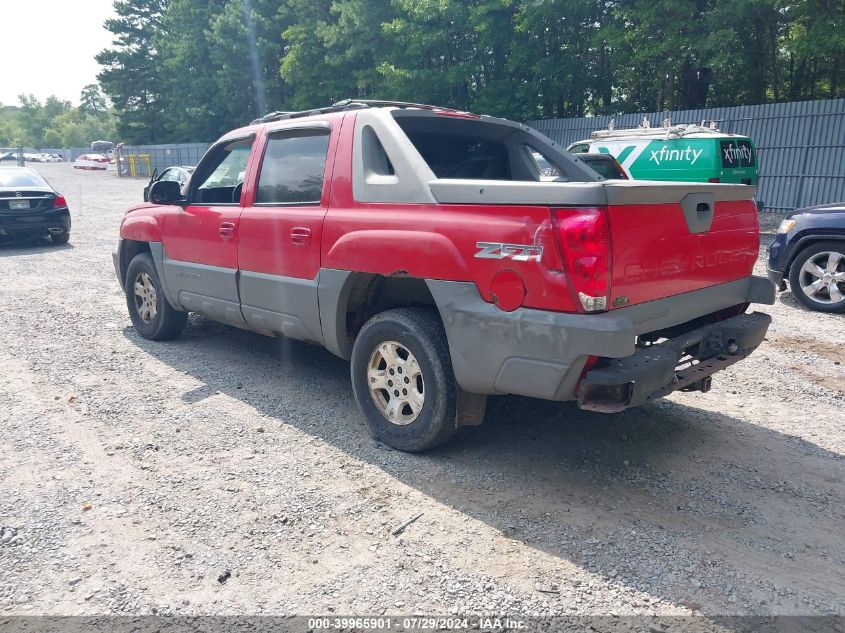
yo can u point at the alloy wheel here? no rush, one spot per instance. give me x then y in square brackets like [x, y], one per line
[396, 383]
[822, 277]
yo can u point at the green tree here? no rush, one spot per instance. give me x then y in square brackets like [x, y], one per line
[34, 117]
[248, 47]
[91, 100]
[184, 70]
[131, 70]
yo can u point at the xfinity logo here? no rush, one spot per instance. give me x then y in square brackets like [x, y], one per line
[733, 153]
[688, 155]
[514, 252]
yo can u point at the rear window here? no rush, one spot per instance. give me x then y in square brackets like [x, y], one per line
[474, 148]
[737, 154]
[603, 166]
[21, 179]
[463, 156]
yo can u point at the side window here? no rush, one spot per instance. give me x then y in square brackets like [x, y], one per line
[547, 170]
[221, 174]
[544, 166]
[293, 167]
[376, 160]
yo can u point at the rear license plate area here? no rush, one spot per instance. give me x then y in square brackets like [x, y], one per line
[19, 204]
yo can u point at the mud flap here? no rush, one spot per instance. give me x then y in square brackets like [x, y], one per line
[471, 409]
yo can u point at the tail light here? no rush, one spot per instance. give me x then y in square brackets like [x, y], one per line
[59, 202]
[621, 171]
[584, 241]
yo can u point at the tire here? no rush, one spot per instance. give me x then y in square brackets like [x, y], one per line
[153, 317]
[60, 238]
[419, 333]
[817, 258]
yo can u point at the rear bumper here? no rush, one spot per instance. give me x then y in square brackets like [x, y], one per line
[542, 354]
[34, 223]
[655, 371]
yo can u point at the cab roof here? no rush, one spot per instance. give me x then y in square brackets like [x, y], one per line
[338, 108]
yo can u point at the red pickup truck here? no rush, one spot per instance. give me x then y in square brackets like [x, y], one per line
[428, 247]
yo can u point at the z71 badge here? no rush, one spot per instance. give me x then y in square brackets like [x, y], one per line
[514, 252]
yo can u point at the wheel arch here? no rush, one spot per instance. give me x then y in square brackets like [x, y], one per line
[129, 249]
[348, 299]
[806, 242]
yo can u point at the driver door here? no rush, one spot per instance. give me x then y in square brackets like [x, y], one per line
[200, 238]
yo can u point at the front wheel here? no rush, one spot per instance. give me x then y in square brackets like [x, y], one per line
[403, 381]
[817, 277]
[153, 317]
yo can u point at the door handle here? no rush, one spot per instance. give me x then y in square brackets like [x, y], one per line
[300, 235]
[227, 230]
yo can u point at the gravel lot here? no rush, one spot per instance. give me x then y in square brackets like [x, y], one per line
[133, 474]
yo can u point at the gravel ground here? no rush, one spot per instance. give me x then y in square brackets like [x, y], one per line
[133, 474]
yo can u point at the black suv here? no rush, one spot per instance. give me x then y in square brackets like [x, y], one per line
[809, 251]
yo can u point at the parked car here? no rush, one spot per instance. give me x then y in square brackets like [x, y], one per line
[30, 207]
[91, 161]
[809, 251]
[176, 174]
[423, 245]
[689, 153]
[48, 158]
[9, 157]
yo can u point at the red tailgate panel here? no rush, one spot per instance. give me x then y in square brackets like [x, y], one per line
[655, 255]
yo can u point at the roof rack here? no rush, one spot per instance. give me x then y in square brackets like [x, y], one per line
[663, 132]
[347, 104]
[280, 116]
[375, 103]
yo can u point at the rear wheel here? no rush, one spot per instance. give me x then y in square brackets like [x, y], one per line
[817, 277]
[403, 380]
[60, 238]
[153, 317]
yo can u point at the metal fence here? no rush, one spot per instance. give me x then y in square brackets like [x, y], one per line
[152, 157]
[800, 145]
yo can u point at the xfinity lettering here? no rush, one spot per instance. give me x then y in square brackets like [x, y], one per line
[664, 154]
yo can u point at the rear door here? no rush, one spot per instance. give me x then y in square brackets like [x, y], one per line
[738, 161]
[200, 238]
[280, 231]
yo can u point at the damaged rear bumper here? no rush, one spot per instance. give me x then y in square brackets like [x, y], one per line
[685, 362]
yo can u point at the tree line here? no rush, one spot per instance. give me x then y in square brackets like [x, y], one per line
[57, 123]
[188, 70]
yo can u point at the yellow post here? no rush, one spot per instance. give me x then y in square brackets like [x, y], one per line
[131, 158]
[146, 159]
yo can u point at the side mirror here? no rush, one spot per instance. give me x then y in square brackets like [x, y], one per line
[166, 192]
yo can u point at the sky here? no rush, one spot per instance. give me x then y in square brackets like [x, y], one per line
[57, 40]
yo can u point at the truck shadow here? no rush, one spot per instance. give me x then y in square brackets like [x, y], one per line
[685, 505]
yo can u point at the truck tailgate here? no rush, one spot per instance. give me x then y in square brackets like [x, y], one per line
[671, 238]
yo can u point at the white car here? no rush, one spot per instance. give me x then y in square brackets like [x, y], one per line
[91, 161]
